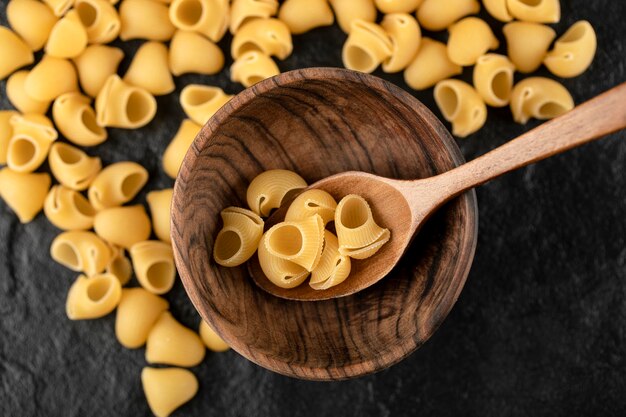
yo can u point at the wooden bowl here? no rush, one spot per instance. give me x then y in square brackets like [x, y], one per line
[318, 122]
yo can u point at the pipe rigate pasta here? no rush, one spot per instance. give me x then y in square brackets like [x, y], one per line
[299, 242]
[123, 226]
[239, 237]
[150, 70]
[93, 297]
[24, 193]
[167, 389]
[312, 202]
[68, 37]
[357, 231]
[145, 19]
[252, 67]
[347, 11]
[398, 6]
[72, 167]
[405, 35]
[280, 272]
[68, 209]
[270, 36]
[177, 149]
[207, 17]
[573, 52]
[243, 10]
[367, 46]
[81, 251]
[33, 135]
[498, 9]
[137, 312]
[439, 14]
[171, 343]
[6, 131]
[117, 184]
[100, 20]
[59, 7]
[125, 106]
[541, 98]
[211, 339]
[304, 15]
[159, 203]
[469, 39]
[14, 53]
[190, 52]
[333, 267]
[538, 11]
[267, 190]
[200, 102]
[16, 93]
[153, 262]
[527, 44]
[119, 265]
[95, 65]
[50, 78]
[461, 105]
[431, 65]
[32, 20]
[493, 79]
[77, 120]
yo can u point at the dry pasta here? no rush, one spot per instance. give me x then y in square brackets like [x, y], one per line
[498, 9]
[95, 65]
[16, 93]
[243, 10]
[125, 106]
[573, 52]
[6, 131]
[367, 46]
[541, 98]
[68, 209]
[493, 79]
[81, 251]
[207, 17]
[267, 190]
[461, 105]
[239, 237]
[252, 67]
[93, 297]
[150, 70]
[312, 202]
[469, 39]
[136, 314]
[431, 65]
[72, 167]
[76, 120]
[145, 19]
[405, 35]
[200, 102]
[100, 19]
[190, 52]
[171, 343]
[153, 262]
[527, 44]
[24, 193]
[31, 20]
[50, 78]
[59, 7]
[117, 184]
[539, 11]
[300, 242]
[439, 14]
[176, 150]
[211, 339]
[358, 234]
[301, 16]
[270, 36]
[14, 53]
[333, 268]
[281, 272]
[68, 37]
[347, 11]
[123, 226]
[398, 6]
[168, 389]
[33, 135]
[160, 202]
[119, 265]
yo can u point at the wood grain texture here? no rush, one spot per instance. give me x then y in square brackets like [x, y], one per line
[319, 122]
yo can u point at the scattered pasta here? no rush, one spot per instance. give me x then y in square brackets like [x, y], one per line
[243, 10]
[14, 53]
[121, 105]
[93, 297]
[24, 193]
[117, 184]
[239, 237]
[176, 150]
[77, 120]
[171, 343]
[312, 202]
[469, 39]
[190, 52]
[150, 70]
[498, 9]
[166, 389]
[301, 16]
[367, 46]
[32, 20]
[252, 67]
[16, 93]
[207, 17]
[333, 267]
[33, 134]
[72, 167]
[538, 11]
[153, 262]
[267, 190]
[123, 226]
[461, 105]
[119, 265]
[541, 98]
[211, 339]
[527, 44]
[6, 131]
[439, 14]
[100, 19]
[347, 11]
[95, 65]
[50, 78]
[68, 209]
[398, 6]
[299, 242]
[269, 36]
[145, 19]
[200, 102]
[68, 37]
[405, 35]
[573, 52]
[359, 236]
[81, 251]
[137, 312]
[493, 79]
[431, 65]
[160, 202]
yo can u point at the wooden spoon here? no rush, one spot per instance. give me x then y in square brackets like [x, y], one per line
[403, 206]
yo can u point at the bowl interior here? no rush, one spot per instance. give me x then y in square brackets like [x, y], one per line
[319, 122]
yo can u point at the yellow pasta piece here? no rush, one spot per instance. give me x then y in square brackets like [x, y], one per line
[398, 6]
[369, 250]
[355, 224]
[32, 20]
[312, 202]
[243, 10]
[24, 193]
[469, 39]
[527, 44]
[498, 9]
[461, 105]
[541, 98]
[405, 35]
[200, 102]
[95, 65]
[269, 36]
[150, 70]
[93, 297]
[333, 268]
[125, 106]
[136, 314]
[145, 19]
[252, 67]
[239, 237]
[301, 16]
[153, 262]
[538, 11]
[68, 209]
[367, 46]
[171, 343]
[267, 190]
[16, 93]
[211, 339]
[160, 202]
[100, 19]
[493, 79]
[119, 265]
[117, 184]
[6, 131]
[208, 17]
[573, 52]
[280, 272]
[300, 242]
[191, 52]
[50, 78]
[14, 53]
[431, 65]
[72, 167]
[347, 11]
[76, 120]
[177, 149]
[59, 7]
[68, 37]
[33, 135]
[439, 14]
[81, 252]
[168, 389]
[123, 226]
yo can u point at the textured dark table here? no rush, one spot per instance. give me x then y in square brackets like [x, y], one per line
[540, 328]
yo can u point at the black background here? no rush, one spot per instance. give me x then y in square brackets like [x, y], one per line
[540, 328]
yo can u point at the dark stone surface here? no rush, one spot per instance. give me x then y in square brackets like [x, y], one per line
[540, 328]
